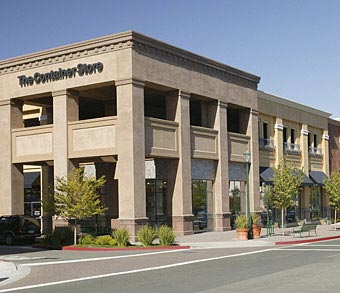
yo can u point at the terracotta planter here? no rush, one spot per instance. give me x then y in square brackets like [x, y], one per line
[256, 232]
[242, 234]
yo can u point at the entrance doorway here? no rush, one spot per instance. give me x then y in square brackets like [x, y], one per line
[202, 201]
[156, 202]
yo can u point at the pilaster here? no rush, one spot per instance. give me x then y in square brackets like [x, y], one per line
[278, 140]
[131, 155]
[221, 185]
[11, 175]
[304, 148]
[65, 109]
[179, 175]
[254, 176]
[325, 152]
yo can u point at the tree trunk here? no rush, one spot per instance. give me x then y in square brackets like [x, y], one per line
[75, 232]
[282, 213]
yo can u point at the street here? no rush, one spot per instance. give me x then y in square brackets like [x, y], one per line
[297, 268]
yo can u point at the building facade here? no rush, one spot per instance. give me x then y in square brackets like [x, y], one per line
[168, 129]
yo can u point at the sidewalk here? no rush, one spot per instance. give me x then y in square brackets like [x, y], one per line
[229, 238]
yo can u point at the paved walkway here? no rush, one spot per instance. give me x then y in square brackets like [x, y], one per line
[229, 238]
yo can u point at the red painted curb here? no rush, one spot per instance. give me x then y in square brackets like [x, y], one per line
[306, 241]
[73, 248]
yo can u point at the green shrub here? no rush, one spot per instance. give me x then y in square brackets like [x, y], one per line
[105, 240]
[121, 236]
[87, 240]
[146, 235]
[166, 235]
[60, 236]
[256, 219]
[241, 222]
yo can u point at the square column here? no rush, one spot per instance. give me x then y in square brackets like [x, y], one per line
[11, 175]
[130, 138]
[278, 140]
[65, 109]
[179, 171]
[304, 149]
[254, 176]
[221, 185]
[325, 152]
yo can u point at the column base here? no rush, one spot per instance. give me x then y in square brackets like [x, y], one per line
[132, 225]
[222, 222]
[183, 225]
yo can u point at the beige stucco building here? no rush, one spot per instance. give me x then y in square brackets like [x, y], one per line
[168, 129]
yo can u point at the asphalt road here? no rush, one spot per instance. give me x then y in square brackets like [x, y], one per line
[303, 268]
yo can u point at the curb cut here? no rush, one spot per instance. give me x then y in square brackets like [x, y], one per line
[72, 248]
[306, 240]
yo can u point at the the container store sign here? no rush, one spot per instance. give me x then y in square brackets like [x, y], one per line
[82, 69]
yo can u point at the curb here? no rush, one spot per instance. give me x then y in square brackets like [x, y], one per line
[306, 240]
[72, 248]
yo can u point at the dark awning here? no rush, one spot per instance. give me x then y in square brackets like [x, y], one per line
[267, 175]
[318, 177]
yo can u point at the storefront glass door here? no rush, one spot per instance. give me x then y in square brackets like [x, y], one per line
[156, 203]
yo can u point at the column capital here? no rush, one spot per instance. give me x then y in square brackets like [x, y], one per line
[133, 81]
[278, 126]
[222, 104]
[304, 132]
[254, 112]
[325, 136]
[65, 92]
[184, 94]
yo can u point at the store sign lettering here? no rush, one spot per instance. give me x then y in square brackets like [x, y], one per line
[82, 69]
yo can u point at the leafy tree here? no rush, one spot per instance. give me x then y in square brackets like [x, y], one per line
[332, 187]
[76, 197]
[286, 183]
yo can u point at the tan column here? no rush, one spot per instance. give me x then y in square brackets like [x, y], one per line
[304, 149]
[254, 176]
[325, 152]
[130, 138]
[221, 185]
[278, 140]
[65, 109]
[179, 171]
[11, 175]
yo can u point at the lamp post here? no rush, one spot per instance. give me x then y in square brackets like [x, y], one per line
[247, 157]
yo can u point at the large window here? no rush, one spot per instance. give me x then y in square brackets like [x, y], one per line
[236, 198]
[202, 201]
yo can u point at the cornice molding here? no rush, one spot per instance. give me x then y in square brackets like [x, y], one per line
[65, 53]
[163, 51]
[141, 44]
[134, 81]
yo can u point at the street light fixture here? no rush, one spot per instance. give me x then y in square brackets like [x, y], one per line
[247, 157]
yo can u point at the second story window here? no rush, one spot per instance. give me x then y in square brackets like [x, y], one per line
[315, 141]
[292, 136]
[265, 130]
[284, 134]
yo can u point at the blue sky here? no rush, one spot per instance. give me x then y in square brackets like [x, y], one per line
[294, 46]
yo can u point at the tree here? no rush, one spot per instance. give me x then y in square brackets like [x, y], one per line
[286, 183]
[76, 197]
[332, 187]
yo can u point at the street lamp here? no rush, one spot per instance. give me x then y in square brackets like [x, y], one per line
[247, 157]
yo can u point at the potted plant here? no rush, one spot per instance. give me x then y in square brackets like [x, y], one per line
[257, 225]
[241, 227]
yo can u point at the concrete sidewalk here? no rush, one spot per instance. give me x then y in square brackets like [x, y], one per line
[229, 238]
